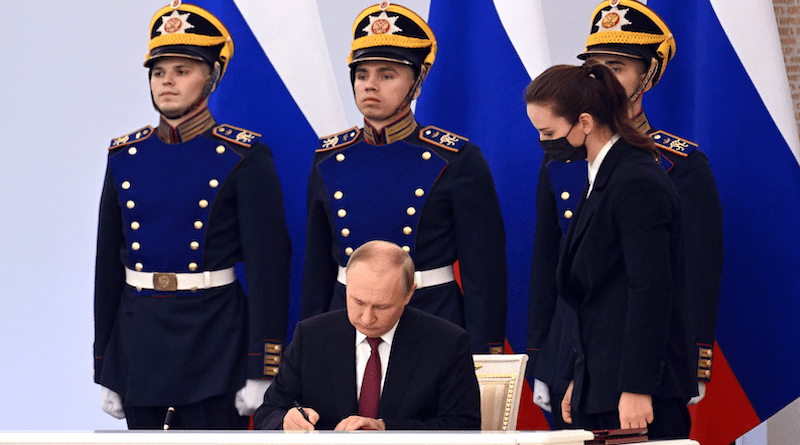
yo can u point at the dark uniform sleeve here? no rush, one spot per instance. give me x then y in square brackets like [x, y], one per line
[286, 388]
[480, 238]
[319, 275]
[109, 272]
[266, 250]
[702, 240]
[543, 292]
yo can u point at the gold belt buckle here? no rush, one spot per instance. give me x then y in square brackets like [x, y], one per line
[165, 282]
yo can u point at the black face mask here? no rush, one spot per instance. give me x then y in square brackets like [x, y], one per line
[561, 150]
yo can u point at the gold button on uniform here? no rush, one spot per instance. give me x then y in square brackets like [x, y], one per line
[138, 267]
[194, 245]
[135, 225]
[565, 195]
[220, 149]
[130, 204]
[345, 232]
[213, 183]
[348, 251]
[411, 211]
[198, 225]
[407, 249]
[340, 157]
[407, 230]
[135, 245]
[419, 193]
[568, 214]
[338, 195]
[126, 185]
[132, 151]
[341, 213]
[193, 266]
[426, 155]
[203, 203]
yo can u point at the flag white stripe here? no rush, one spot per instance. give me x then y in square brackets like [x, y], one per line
[523, 21]
[290, 32]
[754, 36]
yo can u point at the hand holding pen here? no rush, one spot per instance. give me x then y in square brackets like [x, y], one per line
[298, 418]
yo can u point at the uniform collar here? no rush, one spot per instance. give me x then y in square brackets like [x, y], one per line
[187, 130]
[641, 123]
[396, 131]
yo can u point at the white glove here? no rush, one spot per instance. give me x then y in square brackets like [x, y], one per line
[541, 395]
[701, 389]
[112, 403]
[251, 396]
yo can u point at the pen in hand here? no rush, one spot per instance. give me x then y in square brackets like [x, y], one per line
[302, 411]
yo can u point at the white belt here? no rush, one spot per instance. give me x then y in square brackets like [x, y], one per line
[171, 282]
[422, 278]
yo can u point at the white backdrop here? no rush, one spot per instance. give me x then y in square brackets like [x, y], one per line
[72, 79]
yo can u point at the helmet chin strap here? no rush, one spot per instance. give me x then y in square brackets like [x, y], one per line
[423, 72]
[210, 86]
[647, 78]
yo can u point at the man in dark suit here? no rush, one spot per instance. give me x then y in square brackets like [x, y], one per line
[420, 367]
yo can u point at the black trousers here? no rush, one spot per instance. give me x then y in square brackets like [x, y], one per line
[213, 413]
[671, 420]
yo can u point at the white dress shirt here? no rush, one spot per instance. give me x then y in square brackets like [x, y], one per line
[594, 166]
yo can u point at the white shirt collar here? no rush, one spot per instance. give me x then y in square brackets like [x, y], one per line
[387, 337]
[594, 166]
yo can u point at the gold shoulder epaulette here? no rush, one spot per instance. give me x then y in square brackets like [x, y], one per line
[338, 140]
[442, 138]
[138, 135]
[672, 143]
[236, 135]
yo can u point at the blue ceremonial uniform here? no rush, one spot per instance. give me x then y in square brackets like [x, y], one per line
[560, 186]
[189, 202]
[430, 192]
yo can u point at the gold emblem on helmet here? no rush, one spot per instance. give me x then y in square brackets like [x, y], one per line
[610, 20]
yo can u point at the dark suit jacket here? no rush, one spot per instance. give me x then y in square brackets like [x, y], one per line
[430, 382]
[621, 270]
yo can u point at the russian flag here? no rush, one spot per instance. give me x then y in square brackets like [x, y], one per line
[727, 90]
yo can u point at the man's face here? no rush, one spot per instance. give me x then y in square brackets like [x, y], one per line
[380, 88]
[375, 297]
[177, 83]
[629, 71]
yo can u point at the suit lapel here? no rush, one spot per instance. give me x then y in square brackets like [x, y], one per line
[341, 356]
[402, 362]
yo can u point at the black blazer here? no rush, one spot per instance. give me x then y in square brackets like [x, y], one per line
[430, 381]
[621, 270]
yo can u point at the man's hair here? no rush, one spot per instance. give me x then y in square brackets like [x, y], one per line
[389, 252]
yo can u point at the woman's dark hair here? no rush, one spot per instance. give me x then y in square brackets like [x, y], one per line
[591, 88]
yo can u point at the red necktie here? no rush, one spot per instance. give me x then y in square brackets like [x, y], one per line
[371, 386]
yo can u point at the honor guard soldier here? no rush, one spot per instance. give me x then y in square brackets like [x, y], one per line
[181, 204]
[426, 189]
[636, 44]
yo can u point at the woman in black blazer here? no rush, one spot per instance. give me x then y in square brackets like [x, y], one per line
[620, 266]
